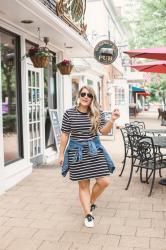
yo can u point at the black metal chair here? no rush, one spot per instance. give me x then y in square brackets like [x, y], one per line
[141, 125]
[145, 155]
[128, 129]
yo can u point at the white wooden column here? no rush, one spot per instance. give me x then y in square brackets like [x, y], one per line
[67, 91]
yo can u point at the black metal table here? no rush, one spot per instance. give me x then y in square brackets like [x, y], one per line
[161, 142]
[155, 131]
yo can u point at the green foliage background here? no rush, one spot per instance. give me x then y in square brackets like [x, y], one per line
[149, 30]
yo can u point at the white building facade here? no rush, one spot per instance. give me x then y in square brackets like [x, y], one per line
[26, 92]
[103, 24]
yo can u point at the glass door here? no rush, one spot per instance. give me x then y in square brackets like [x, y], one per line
[35, 116]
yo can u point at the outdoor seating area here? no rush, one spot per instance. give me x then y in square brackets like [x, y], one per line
[144, 149]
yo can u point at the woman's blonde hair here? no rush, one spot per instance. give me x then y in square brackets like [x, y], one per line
[93, 110]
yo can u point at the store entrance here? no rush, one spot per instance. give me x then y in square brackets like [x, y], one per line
[50, 101]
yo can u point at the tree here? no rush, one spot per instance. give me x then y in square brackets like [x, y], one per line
[158, 90]
[150, 25]
[148, 28]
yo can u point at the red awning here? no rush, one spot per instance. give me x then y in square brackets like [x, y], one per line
[150, 53]
[143, 94]
[154, 67]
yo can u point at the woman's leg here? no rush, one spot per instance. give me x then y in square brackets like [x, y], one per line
[98, 188]
[84, 194]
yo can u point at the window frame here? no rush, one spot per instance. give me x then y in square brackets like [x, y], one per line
[18, 96]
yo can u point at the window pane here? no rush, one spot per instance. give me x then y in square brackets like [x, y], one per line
[50, 99]
[9, 97]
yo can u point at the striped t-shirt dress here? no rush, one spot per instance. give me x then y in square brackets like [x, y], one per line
[78, 125]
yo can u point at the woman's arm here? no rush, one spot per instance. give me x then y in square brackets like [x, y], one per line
[106, 129]
[63, 144]
[109, 125]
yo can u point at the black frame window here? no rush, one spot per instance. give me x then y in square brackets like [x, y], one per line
[11, 96]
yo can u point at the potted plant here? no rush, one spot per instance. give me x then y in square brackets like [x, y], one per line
[39, 56]
[65, 67]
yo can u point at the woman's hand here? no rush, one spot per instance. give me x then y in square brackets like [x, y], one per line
[115, 114]
[61, 160]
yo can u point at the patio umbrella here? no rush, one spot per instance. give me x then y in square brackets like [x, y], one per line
[154, 67]
[150, 53]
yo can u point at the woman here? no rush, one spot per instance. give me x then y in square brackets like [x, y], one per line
[84, 156]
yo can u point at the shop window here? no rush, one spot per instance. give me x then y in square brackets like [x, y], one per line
[89, 82]
[119, 96]
[50, 99]
[11, 96]
[75, 90]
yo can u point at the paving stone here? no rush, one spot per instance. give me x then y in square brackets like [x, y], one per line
[157, 243]
[38, 215]
[4, 219]
[42, 224]
[47, 245]
[116, 248]
[151, 214]
[150, 232]
[2, 211]
[111, 240]
[47, 235]
[113, 221]
[81, 246]
[76, 237]
[24, 244]
[118, 205]
[130, 241]
[13, 213]
[159, 207]
[138, 222]
[18, 222]
[158, 223]
[4, 230]
[127, 213]
[122, 230]
[138, 206]
[21, 232]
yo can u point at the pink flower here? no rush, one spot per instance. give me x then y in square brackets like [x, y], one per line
[66, 62]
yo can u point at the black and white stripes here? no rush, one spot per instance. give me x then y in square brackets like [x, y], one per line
[78, 125]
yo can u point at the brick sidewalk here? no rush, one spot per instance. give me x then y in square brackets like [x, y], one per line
[43, 211]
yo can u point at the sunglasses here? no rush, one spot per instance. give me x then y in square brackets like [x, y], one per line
[89, 95]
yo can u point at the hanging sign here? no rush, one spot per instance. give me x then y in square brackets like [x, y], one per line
[72, 12]
[105, 52]
[56, 126]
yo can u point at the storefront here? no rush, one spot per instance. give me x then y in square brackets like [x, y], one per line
[27, 92]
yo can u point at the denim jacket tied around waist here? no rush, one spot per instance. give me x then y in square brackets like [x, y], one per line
[93, 146]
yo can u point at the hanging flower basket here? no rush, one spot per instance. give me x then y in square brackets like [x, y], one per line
[65, 67]
[39, 56]
[40, 61]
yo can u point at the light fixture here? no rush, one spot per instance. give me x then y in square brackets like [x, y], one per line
[68, 46]
[27, 21]
[46, 40]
